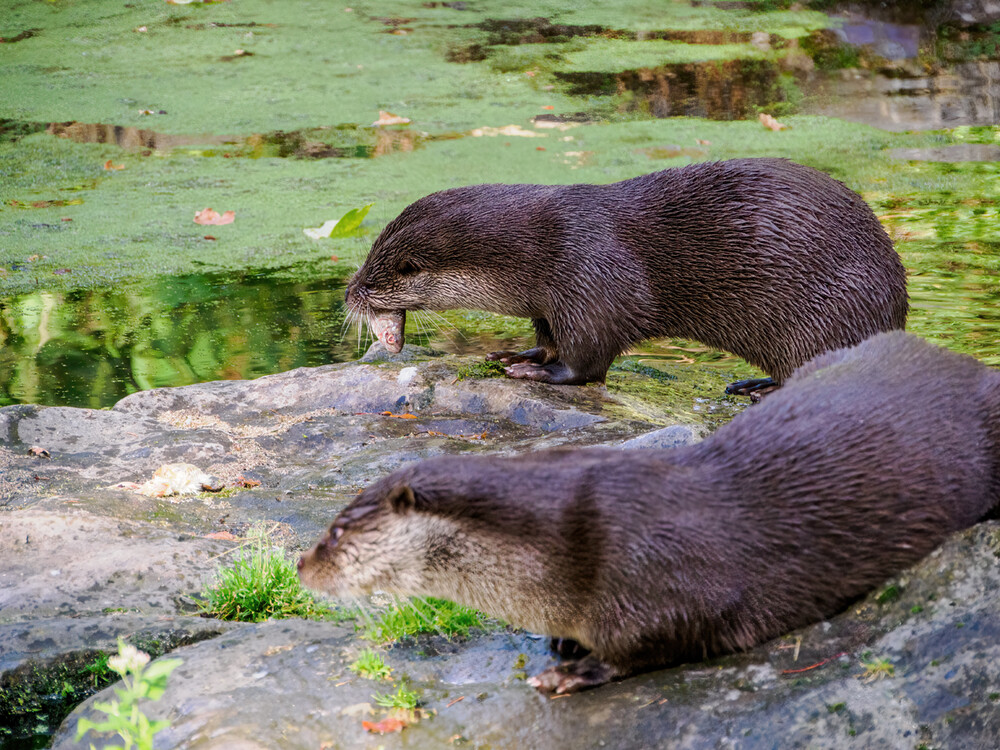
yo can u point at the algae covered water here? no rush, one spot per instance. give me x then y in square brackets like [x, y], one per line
[119, 123]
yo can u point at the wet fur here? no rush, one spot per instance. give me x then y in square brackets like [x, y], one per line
[863, 463]
[765, 258]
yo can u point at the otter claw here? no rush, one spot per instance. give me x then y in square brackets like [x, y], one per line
[572, 676]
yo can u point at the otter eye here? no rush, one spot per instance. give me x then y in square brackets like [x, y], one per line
[407, 267]
[337, 533]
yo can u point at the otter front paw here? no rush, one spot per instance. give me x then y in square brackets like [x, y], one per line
[538, 355]
[573, 676]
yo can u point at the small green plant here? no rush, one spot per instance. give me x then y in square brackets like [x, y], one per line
[124, 717]
[888, 594]
[402, 698]
[483, 369]
[261, 583]
[877, 669]
[429, 615]
[99, 667]
[371, 666]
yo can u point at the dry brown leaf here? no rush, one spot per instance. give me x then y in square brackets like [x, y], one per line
[224, 535]
[209, 216]
[770, 123]
[386, 726]
[702, 142]
[108, 165]
[388, 118]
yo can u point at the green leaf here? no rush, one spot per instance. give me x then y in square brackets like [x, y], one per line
[342, 227]
[350, 221]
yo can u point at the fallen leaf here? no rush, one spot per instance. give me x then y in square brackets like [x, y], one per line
[388, 118]
[539, 148]
[65, 218]
[33, 258]
[548, 106]
[108, 165]
[770, 123]
[342, 227]
[386, 726]
[334, 259]
[242, 481]
[209, 237]
[61, 271]
[702, 142]
[209, 216]
[225, 535]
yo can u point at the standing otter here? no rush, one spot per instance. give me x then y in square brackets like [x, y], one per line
[860, 466]
[765, 258]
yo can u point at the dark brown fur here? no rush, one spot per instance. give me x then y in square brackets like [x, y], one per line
[765, 258]
[859, 467]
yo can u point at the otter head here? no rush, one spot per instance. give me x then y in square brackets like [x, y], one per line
[380, 542]
[443, 252]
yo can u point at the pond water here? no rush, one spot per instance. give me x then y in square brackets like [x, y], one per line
[89, 344]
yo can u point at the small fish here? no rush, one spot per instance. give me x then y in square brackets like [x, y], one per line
[388, 327]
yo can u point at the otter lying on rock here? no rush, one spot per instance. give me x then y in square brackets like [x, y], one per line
[765, 258]
[856, 469]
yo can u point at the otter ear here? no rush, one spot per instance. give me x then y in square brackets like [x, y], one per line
[401, 498]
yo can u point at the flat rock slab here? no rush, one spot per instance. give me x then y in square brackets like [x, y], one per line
[72, 563]
[286, 684]
[327, 427]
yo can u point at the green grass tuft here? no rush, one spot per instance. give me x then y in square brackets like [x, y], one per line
[424, 616]
[371, 666]
[260, 584]
[402, 698]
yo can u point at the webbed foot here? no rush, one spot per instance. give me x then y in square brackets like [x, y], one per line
[573, 676]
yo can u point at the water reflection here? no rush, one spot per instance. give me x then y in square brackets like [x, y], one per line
[343, 141]
[91, 348]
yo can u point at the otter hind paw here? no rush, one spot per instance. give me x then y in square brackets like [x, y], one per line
[756, 388]
[573, 676]
[555, 372]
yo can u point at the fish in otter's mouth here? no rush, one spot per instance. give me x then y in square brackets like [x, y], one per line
[388, 328]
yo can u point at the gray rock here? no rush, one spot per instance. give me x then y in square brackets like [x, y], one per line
[673, 436]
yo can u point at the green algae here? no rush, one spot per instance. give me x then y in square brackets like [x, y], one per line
[313, 85]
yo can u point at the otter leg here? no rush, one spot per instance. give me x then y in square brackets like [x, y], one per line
[572, 676]
[761, 386]
[567, 648]
[542, 353]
